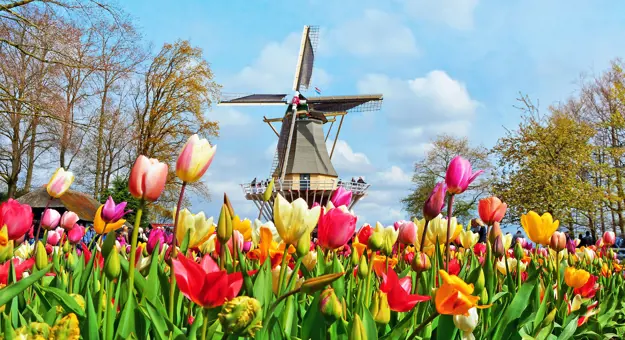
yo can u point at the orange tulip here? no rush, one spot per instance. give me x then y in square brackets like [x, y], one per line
[575, 278]
[491, 210]
[147, 178]
[454, 296]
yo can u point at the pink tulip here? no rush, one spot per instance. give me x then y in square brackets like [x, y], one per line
[398, 224]
[147, 178]
[460, 175]
[68, 220]
[336, 228]
[17, 217]
[50, 219]
[76, 234]
[59, 183]
[195, 158]
[609, 238]
[112, 212]
[435, 203]
[341, 196]
[407, 233]
[54, 236]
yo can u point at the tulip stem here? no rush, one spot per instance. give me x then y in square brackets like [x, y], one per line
[133, 248]
[41, 219]
[282, 269]
[422, 325]
[421, 246]
[204, 323]
[174, 252]
[450, 204]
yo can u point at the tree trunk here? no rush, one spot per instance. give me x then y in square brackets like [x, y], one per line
[98, 168]
[31, 152]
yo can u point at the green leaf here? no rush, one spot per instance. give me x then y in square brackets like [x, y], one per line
[369, 323]
[127, 319]
[89, 329]
[540, 314]
[9, 292]
[84, 277]
[312, 321]
[197, 324]
[185, 241]
[263, 291]
[515, 309]
[68, 302]
[569, 330]
[339, 284]
[151, 291]
[108, 244]
[446, 328]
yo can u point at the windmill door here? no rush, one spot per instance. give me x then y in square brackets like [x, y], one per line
[304, 181]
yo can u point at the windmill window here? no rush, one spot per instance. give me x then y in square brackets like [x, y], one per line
[304, 180]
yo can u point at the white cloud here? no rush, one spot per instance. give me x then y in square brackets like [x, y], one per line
[457, 14]
[228, 116]
[274, 69]
[345, 159]
[420, 109]
[375, 34]
[395, 176]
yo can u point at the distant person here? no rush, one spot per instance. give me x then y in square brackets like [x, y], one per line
[481, 229]
[588, 238]
[516, 236]
[582, 242]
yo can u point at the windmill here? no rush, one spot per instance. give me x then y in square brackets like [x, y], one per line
[302, 166]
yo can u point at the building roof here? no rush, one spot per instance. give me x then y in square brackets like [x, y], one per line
[308, 153]
[82, 204]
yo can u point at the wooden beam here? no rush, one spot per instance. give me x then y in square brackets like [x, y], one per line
[334, 114]
[288, 144]
[336, 137]
[271, 126]
[329, 129]
[279, 120]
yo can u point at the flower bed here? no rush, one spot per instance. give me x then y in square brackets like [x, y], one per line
[427, 278]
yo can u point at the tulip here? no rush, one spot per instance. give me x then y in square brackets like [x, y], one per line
[336, 227]
[59, 183]
[102, 227]
[112, 266]
[19, 266]
[203, 283]
[243, 226]
[380, 309]
[147, 178]
[364, 233]
[576, 278]
[50, 219]
[467, 323]
[435, 202]
[76, 234]
[195, 158]
[437, 230]
[112, 212]
[454, 296]
[357, 330]
[330, 306]
[341, 196]
[17, 217]
[512, 265]
[24, 251]
[314, 283]
[235, 240]
[6, 245]
[459, 175]
[420, 262]
[41, 255]
[294, 219]
[239, 316]
[256, 231]
[468, 239]
[68, 220]
[407, 233]
[539, 228]
[197, 225]
[491, 210]
[383, 239]
[609, 238]
[589, 289]
[398, 292]
[557, 241]
[54, 236]
[310, 260]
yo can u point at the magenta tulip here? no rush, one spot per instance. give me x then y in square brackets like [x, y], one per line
[341, 196]
[460, 175]
[435, 203]
[407, 233]
[156, 236]
[76, 234]
[112, 212]
[336, 228]
[50, 219]
[68, 220]
[17, 217]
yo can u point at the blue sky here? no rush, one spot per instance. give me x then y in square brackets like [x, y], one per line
[453, 66]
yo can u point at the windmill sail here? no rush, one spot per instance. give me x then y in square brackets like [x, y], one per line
[306, 59]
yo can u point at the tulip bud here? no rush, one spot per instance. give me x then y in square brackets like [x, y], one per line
[303, 245]
[268, 191]
[380, 309]
[420, 262]
[435, 202]
[357, 330]
[330, 306]
[484, 297]
[243, 313]
[71, 262]
[495, 231]
[66, 247]
[466, 323]
[6, 245]
[112, 267]
[518, 251]
[498, 248]
[41, 256]
[229, 205]
[477, 279]
[363, 269]
[557, 241]
[376, 241]
[224, 226]
[318, 283]
[354, 258]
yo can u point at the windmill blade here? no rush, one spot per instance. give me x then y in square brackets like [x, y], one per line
[361, 103]
[253, 99]
[306, 58]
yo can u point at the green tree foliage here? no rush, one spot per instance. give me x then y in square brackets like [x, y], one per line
[119, 191]
[545, 165]
[432, 169]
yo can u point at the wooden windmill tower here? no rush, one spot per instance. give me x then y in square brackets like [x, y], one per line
[302, 166]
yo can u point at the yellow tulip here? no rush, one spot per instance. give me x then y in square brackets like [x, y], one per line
[243, 226]
[195, 158]
[385, 236]
[294, 219]
[575, 278]
[512, 262]
[256, 231]
[437, 230]
[199, 227]
[539, 228]
[102, 227]
[468, 238]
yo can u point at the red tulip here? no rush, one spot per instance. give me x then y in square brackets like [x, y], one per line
[460, 175]
[491, 210]
[609, 238]
[203, 283]
[479, 249]
[407, 233]
[435, 202]
[454, 267]
[398, 292]
[336, 227]
[17, 217]
[364, 233]
[20, 268]
[589, 289]
[147, 178]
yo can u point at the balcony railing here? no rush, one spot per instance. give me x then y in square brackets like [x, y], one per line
[303, 185]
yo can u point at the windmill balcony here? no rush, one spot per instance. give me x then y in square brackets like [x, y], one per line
[312, 191]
